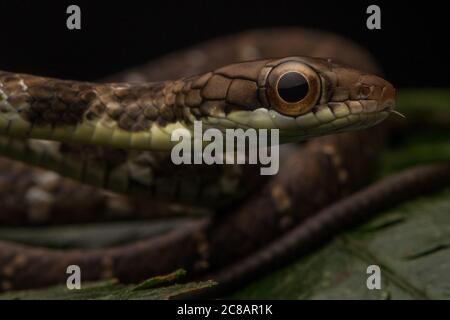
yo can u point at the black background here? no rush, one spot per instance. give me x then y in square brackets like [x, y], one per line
[282, 309]
[411, 46]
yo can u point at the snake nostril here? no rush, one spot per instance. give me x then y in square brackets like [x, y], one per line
[364, 91]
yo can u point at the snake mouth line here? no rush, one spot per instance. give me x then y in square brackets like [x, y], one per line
[332, 117]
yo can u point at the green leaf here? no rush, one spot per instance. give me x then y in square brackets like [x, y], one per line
[410, 243]
[155, 288]
[429, 142]
[415, 151]
[429, 103]
[158, 281]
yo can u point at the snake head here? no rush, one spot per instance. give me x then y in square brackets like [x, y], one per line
[303, 97]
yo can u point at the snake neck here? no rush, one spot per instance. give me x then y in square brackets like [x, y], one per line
[121, 115]
[47, 101]
[131, 115]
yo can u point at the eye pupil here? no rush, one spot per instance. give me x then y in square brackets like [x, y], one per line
[292, 87]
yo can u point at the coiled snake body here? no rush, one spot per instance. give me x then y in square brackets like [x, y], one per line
[127, 128]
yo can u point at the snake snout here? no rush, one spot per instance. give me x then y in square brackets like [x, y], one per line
[387, 101]
[379, 90]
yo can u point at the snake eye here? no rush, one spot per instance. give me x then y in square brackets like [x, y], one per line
[293, 88]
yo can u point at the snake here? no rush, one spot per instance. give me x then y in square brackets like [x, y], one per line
[301, 97]
[117, 135]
